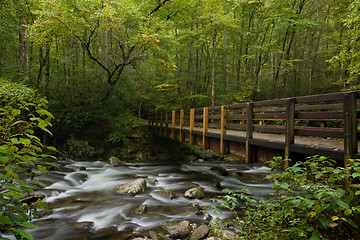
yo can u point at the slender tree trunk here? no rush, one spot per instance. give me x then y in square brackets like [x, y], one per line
[178, 89]
[213, 68]
[22, 57]
[225, 61]
[47, 71]
[1, 60]
[107, 60]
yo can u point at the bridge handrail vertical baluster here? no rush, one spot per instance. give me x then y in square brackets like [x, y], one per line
[249, 131]
[223, 131]
[205, 144]
[173, 125]
[290, 128]
[350, 126]
[191, 127]
[181, 135]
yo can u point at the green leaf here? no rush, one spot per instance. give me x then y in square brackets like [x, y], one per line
[17, 122]
[357, 192]
[46, 130]
[28, 225]
[356, 174]
[341, 203]
[6, 220]
[352, 223]
[347, 212]
[22, 233]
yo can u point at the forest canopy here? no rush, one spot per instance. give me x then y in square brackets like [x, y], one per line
[95, 58]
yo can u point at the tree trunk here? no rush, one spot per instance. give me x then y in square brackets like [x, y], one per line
[225, 61]
[22, 58]
[213, 68]
[107, 61]
[1, 46]
[178, 89]
[47, 71]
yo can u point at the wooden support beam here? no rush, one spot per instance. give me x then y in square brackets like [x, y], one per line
[350, 130]
[223, 131]
[350, 126]
[205, 144]
[249, 132]
[181, 135]
[192, 124]
[290, 128]
[173, 125]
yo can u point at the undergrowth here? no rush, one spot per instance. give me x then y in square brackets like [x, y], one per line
[310, 203]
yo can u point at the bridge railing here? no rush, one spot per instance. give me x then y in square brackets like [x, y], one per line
[331, 115]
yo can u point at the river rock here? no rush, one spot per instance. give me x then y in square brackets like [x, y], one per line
[115, 162]
[153, 235]
[83, 225]
[200, 233]
[213, 238]
[225, 234]
[196, 192]
[140, 210]
[153, 181]
[220, 170]
[180, 229]
[166, 193]
[133, 187]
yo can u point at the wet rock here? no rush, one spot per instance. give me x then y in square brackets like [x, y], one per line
[153, 235]
[80, 177]
[133, 187]
[225, 234]
[180, 229]
[83, 225]
[115, 162]
[140, 210]
[200, 233]
[208, 154]
[213, 238]
[82, 168]
[220, 170]
[195, 205]
[236, 173]
[153, 181]
[140, 238]
[196, 192]
[167, 194]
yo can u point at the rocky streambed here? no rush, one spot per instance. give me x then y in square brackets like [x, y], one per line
[156, 200]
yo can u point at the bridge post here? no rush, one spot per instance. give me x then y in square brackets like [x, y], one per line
[223, 131]
[350, 126]
[205, 144]
[290, 128]
[181, 135]
[173, 125]
[249, 132]
[192, 123]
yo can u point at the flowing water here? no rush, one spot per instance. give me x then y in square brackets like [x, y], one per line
[84, 203]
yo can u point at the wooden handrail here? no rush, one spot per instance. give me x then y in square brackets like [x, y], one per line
[283, 116]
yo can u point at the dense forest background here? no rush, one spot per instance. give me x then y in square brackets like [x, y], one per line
[96, 60]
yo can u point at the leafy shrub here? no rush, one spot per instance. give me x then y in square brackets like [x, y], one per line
[21, 152]
[11, 93]
[80, 148]
[311, 203]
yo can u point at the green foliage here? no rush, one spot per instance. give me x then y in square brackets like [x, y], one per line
[311, 203]
[118, 137]
[80, 148]
[11, 93]
[21, 154]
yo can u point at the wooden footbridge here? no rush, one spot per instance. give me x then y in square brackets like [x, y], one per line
[323, 124]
